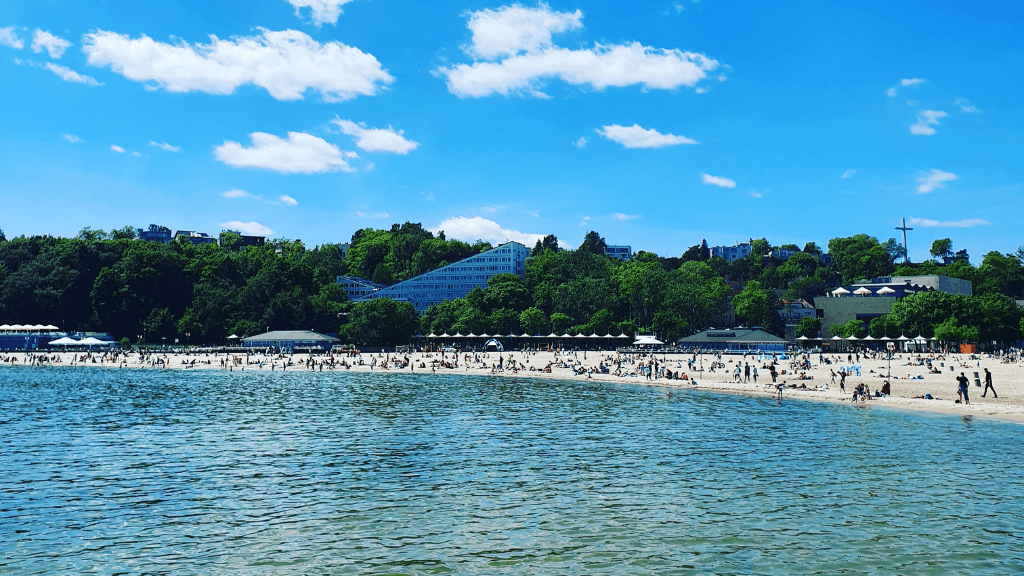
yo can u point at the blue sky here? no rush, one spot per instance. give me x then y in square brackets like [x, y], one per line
[656, 124]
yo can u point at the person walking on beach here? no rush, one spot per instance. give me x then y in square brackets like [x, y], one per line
[746, 372]
[988, 384]
[962, 391]
[755, 374]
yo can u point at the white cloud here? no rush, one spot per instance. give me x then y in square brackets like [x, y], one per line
[623, 217]
[513, 29]
[285, 63]
[911, 81]
[518, 54]
[301, 152]
[755, 194]
[925, 121]
[68, 75]
[376, 139]
[912, 102]
[637, 137]
[286, 199]
[932, 180]
[73, 139]
[165, 146]
[323, 11]
[247, 228]
[890, 92]
[966, 223]
[701, 90]
[54, 45]
[849, 173]
[581, 143]
[9, 38]
[236, 193]
[965, 106]
[116, 148]
[479, 228]
[718, 181]
[137, 154]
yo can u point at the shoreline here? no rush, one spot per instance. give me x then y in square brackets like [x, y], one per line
[1008, 377]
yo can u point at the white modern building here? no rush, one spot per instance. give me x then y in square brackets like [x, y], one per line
[731, 253]
[456, 280]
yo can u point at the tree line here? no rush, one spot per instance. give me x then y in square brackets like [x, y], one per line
[151, 292]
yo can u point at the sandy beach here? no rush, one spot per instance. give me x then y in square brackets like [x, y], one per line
[911, 378]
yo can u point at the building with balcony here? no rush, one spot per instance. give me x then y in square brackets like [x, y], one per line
[620, 252]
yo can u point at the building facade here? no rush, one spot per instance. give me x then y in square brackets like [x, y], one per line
[731, 253]
[154, 233]
[356, 287]
[195, 237]
[456, 280]
[621, 252]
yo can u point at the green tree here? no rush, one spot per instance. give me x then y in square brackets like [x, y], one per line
[941, 248]
[533, 321]
[381, 322]
[809, 327]
[593, 243]
[859, 256]
[560, 323]
[751, 304]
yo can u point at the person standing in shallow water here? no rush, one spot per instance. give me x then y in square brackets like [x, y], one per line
[988, 384]
[962, 390]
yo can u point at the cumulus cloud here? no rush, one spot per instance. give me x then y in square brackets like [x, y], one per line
[623, 217]
[911, 81]
[68, 75]
[286, 199]
[299, 153]
[636, 137]
[376, 139]
[9, 38]
[717, 181]
[925, 121]
[116, 148]
[236, 193]
[929, 181]
[323, 11]
[285, 63]
[513, 29]
[581, 143]
[165, 146]
[890, 92]
[849, 173]
[515, 55]
[54, 45]
[479, 228]
[966, 223]
[247, 228]
[73, 139]
[755, 194]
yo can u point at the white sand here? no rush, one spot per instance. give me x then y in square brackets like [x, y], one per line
[1008, 378]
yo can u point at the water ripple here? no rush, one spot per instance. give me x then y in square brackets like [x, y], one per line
[168, 472]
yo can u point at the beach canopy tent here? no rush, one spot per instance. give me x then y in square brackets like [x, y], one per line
[903, 338]
[862, 291]
[523, 335]
[566, 335]
[470, 335]
[736, 340]
[290, 339]
[647, 340]
[803, 338]
[65, 341]
[840, 291]
[445, 335]
[579, 336]
[868, 337]
[233, 337]
[853, 338]
[837, 338]
[457, 335]
[493, 344]
[431, 335]
[90, 341]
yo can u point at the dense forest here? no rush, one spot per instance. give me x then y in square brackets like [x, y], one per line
[141, 291]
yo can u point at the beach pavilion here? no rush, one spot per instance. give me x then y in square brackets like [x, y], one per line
[735, 340]
[290, 340]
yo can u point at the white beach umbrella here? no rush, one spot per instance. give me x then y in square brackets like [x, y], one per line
[903, 338]
[579, 336]
[608, 336]
[445, 335]
[431, 335]
[885, 338]
[853, 338]
[803, 338]
[840, 291]
[470, 335]
[868, 337]
[552, 335]
[837, 338]
[886, 290]
[622, 335]
[566, 335]
[65, 341]
[862, 291]
[594, 335]
[457, 335]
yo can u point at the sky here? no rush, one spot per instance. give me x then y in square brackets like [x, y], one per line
[657, 124]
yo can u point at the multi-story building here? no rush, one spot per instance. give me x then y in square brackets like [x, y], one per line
[356, 287]
[456, 280]
[195, 237]
[622, 252]
[731, 253]
[154, 233]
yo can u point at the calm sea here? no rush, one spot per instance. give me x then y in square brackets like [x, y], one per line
[170, 472]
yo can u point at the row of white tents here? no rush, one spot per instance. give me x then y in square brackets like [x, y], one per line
[863, 291]
[919, 339]
[27, 328]
[552, 335]
[88, 341]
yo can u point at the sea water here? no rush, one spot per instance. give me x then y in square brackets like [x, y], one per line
[113, 471]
